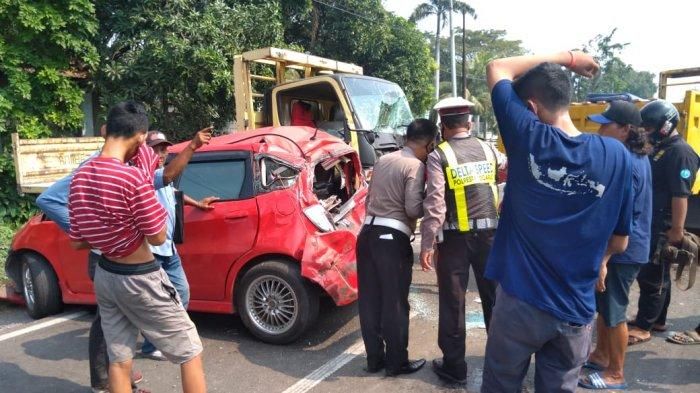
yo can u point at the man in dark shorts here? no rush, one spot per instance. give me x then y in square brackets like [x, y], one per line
[113, 207]
[621, 121]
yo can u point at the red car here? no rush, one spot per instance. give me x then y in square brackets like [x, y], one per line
[283, 233]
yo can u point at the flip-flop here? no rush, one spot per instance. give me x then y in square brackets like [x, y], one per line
[593, 366]
[689, 337]
[595, 381]
[633, 340]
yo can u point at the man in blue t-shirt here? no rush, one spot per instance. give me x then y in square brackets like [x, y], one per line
[621, 120]
[567, 207]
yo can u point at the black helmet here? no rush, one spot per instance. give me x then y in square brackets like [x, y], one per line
[659, 116]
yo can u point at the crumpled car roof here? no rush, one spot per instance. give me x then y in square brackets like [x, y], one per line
[293, 144]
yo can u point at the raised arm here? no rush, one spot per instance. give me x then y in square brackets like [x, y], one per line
[511, 68]
[178, 164]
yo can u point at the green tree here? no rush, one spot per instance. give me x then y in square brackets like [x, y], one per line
[362, 32]
[481, 46]
[615, 75]
[46, 54]
[439, 8]
[177, 57]
[464, 9]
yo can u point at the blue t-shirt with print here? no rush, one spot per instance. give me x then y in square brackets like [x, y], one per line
[638, 248]
[564, 198]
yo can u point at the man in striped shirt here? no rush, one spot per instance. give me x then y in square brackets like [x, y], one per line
[113, 207]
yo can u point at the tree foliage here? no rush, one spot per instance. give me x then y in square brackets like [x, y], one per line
[45, 48]
[482, 46]
[362, 32]
[45, 53]
[615, 76]
[177, 57]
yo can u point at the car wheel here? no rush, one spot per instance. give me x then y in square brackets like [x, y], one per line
[40, 288]
[275, 303]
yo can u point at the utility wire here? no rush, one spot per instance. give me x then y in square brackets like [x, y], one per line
[343, 10]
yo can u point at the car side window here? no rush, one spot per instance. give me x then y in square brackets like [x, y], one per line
[276, 175]
[223, 179]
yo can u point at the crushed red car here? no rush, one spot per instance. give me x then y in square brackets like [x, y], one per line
[283, 234]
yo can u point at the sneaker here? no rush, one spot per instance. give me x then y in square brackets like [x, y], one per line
[155, 355]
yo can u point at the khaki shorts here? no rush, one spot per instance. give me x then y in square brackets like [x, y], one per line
[148, 303]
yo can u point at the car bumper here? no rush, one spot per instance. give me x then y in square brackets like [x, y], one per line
[329, 261]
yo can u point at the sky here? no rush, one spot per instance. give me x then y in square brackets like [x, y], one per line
[661, 35]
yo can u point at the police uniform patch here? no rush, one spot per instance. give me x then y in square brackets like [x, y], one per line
[685, 174]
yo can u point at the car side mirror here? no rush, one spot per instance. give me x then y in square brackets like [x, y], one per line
[371, 137]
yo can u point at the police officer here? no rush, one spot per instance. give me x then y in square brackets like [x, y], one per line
[674, 165]
[384, 253]
[460, 216]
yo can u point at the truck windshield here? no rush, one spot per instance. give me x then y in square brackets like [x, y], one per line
[380, 106]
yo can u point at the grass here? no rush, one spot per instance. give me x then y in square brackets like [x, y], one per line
[6, 233]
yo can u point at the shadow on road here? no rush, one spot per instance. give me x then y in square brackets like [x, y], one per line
[72, 345]
[15, 379]
[297, 359]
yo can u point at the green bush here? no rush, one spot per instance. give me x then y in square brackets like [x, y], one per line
[6, 233]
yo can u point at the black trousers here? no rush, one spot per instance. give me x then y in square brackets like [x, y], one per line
[384, 270]
[456, 253]
[654, 290]
[97, 346]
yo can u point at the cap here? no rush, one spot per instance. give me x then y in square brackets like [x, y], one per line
[155, 138]
[453, 106]
[620, 112]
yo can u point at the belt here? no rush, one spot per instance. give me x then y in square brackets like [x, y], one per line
[389, 223]
[124, 269]
[474, 224]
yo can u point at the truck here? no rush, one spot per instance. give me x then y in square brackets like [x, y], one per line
[272, 87]
[281, 87]
[688, 126]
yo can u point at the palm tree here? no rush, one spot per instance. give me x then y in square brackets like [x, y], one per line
[440, 8]
[464, 9]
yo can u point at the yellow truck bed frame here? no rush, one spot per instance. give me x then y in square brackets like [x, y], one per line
[281, 60]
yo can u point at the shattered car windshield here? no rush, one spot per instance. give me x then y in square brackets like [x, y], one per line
[380, 106]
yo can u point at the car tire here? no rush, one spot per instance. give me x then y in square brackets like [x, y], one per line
[40, 288]
[275, 303]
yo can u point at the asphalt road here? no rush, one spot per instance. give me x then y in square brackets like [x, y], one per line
[330, 358]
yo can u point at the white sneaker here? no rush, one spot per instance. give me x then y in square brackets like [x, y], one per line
[155, 355]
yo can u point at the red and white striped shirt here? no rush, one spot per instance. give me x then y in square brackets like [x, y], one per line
[113, 206]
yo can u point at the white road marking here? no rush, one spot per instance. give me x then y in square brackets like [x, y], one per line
[317, 376]
[42, 325]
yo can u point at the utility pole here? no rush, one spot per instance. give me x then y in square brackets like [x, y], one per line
[452, 53]
[464, 54]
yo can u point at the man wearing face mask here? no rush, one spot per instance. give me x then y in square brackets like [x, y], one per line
[461, 217]
[674, 165]
[384, 253]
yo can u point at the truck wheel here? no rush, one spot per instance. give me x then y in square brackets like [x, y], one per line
[275, 303]
[40, 288]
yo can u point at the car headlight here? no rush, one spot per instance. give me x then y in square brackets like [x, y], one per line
[319, 217]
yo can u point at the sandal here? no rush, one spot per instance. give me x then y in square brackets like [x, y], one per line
[595, 381]
[634, 340]
[689, 337]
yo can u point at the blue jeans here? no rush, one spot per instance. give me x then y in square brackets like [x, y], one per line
[173, 268]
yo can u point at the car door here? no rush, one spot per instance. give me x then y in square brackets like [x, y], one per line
[214, 239]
